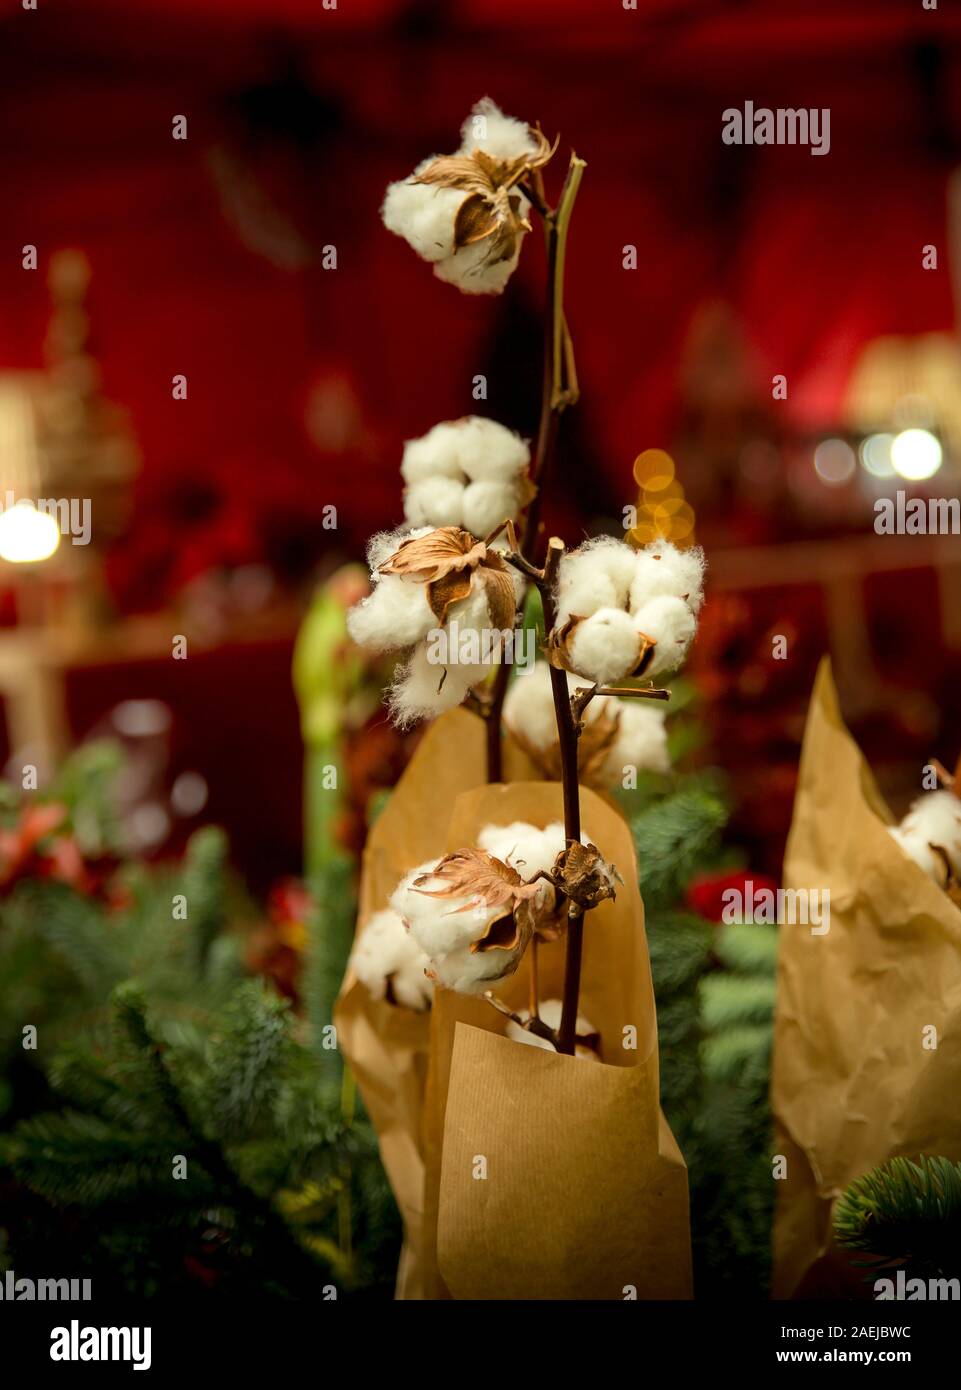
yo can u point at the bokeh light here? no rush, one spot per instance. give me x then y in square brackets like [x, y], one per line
[26, 535]
[916, 454]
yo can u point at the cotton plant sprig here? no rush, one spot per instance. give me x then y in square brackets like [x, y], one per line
[605, 579]
[467, 214]
[471, 915]
[611, 613]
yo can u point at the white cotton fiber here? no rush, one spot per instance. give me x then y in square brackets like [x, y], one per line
[436, 924]
[471, 972]
[473, 612]
[384, 544]
[435, 502]
[488, 451]
[423, 214]
[641, 740]
[526, 848]
[488, 129]
[486, 504]
[916, 847]
[384, 951]
[481, 456]
[435, 454]
[597, 575]
[474, 270]
[605, 647]
[421, 690]
[934, 819]
[660, 570]
[529, 706]
[671, 624]
[396, 614]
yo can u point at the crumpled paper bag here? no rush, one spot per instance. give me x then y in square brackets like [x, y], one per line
[852, 1084]
[586, 1191]
[385, 1046]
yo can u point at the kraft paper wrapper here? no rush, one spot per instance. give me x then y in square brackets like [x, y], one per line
[852, 1084]
[586, 1190]
[386, 1047]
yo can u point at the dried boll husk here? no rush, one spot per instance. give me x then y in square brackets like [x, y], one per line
[465, 912]
[584, 875]
[448, 562]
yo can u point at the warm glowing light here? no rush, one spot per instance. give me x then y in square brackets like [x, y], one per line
[26, 535]
[916, 454]
[875, 454]
[834, 461]
[653, 470]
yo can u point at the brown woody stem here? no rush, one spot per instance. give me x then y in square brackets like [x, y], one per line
[558, 390]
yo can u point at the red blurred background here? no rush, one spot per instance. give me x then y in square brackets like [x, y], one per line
[303, 382]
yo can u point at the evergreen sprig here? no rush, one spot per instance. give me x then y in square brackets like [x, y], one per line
[904, 1212]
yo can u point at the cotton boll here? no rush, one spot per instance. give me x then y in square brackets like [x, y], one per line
[549, 1012]
[396, 614]
[934, 819]
[421, 690]
[598, 575]
[529, 707]
[616, 558]
[472, 972]
[436, 501]
[434, 454]
[385, 951]
[487, 504]
[423, 214]
[641, 740]
[671, 624]
[489, 452]
[606, 646]
[438, 925]
[661, 569]
[472, 269]
[916, 847]
[488, 129]
[526, 848]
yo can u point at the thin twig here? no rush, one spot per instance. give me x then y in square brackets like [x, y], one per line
[558, 390]
[534, 1024]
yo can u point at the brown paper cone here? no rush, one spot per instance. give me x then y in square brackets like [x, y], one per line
[586, 1191]
[852, 1083]
[386, 1047]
